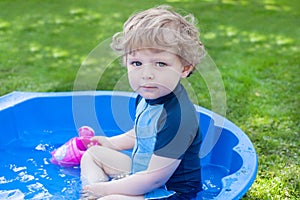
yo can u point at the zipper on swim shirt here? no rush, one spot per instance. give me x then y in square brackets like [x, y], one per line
[133, 153]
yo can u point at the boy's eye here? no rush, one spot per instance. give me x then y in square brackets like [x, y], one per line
[161, 64]
[136, 63]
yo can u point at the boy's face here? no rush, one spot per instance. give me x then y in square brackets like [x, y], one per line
[153, 73]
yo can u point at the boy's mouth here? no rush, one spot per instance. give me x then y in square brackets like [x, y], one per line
[148, 87]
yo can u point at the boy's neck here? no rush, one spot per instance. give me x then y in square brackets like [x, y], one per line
[165, 98]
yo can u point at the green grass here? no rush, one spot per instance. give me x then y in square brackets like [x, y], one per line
[255, 45]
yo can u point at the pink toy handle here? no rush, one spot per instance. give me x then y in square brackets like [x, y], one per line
[86, 131]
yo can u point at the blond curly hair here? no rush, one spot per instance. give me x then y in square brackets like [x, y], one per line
[164, 29]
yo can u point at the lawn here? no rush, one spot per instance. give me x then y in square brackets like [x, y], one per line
[255, 45]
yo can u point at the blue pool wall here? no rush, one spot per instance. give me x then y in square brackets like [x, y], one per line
[56, 110]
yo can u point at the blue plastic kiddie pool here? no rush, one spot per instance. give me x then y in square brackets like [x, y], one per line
[34, 124]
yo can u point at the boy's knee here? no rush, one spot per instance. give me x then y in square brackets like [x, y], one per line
[90, 152]
[121, 197]
[94, 149]
[85, 158]
[110, 197]
[94, 153]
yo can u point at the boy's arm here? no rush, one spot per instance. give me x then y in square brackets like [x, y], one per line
[119, 142]
[158, 173]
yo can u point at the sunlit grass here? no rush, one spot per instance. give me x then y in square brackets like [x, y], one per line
[255, 45]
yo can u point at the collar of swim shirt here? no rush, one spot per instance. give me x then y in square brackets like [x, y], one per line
[163, 99]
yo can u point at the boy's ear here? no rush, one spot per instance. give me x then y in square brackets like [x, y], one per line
[186, 71]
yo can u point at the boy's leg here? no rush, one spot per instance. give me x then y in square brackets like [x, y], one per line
[121, 197]
[98, 163]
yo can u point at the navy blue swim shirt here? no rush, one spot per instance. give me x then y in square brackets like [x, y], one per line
[169, 127]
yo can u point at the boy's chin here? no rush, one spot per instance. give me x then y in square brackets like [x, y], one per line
[153, 92]
[152, 96]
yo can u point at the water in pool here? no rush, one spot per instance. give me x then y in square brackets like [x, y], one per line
[26, 170]
[27, 173]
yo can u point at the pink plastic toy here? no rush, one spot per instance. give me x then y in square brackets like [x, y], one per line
[70, 153]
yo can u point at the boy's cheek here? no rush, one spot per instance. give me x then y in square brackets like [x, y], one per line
[133, 74]
[132, 82]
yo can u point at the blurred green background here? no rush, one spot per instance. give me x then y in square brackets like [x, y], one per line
[254, 43]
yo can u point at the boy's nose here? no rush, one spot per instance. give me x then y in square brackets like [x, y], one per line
[147, 73]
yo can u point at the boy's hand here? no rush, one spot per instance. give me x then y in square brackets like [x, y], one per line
[99, 140]
[92, 190]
